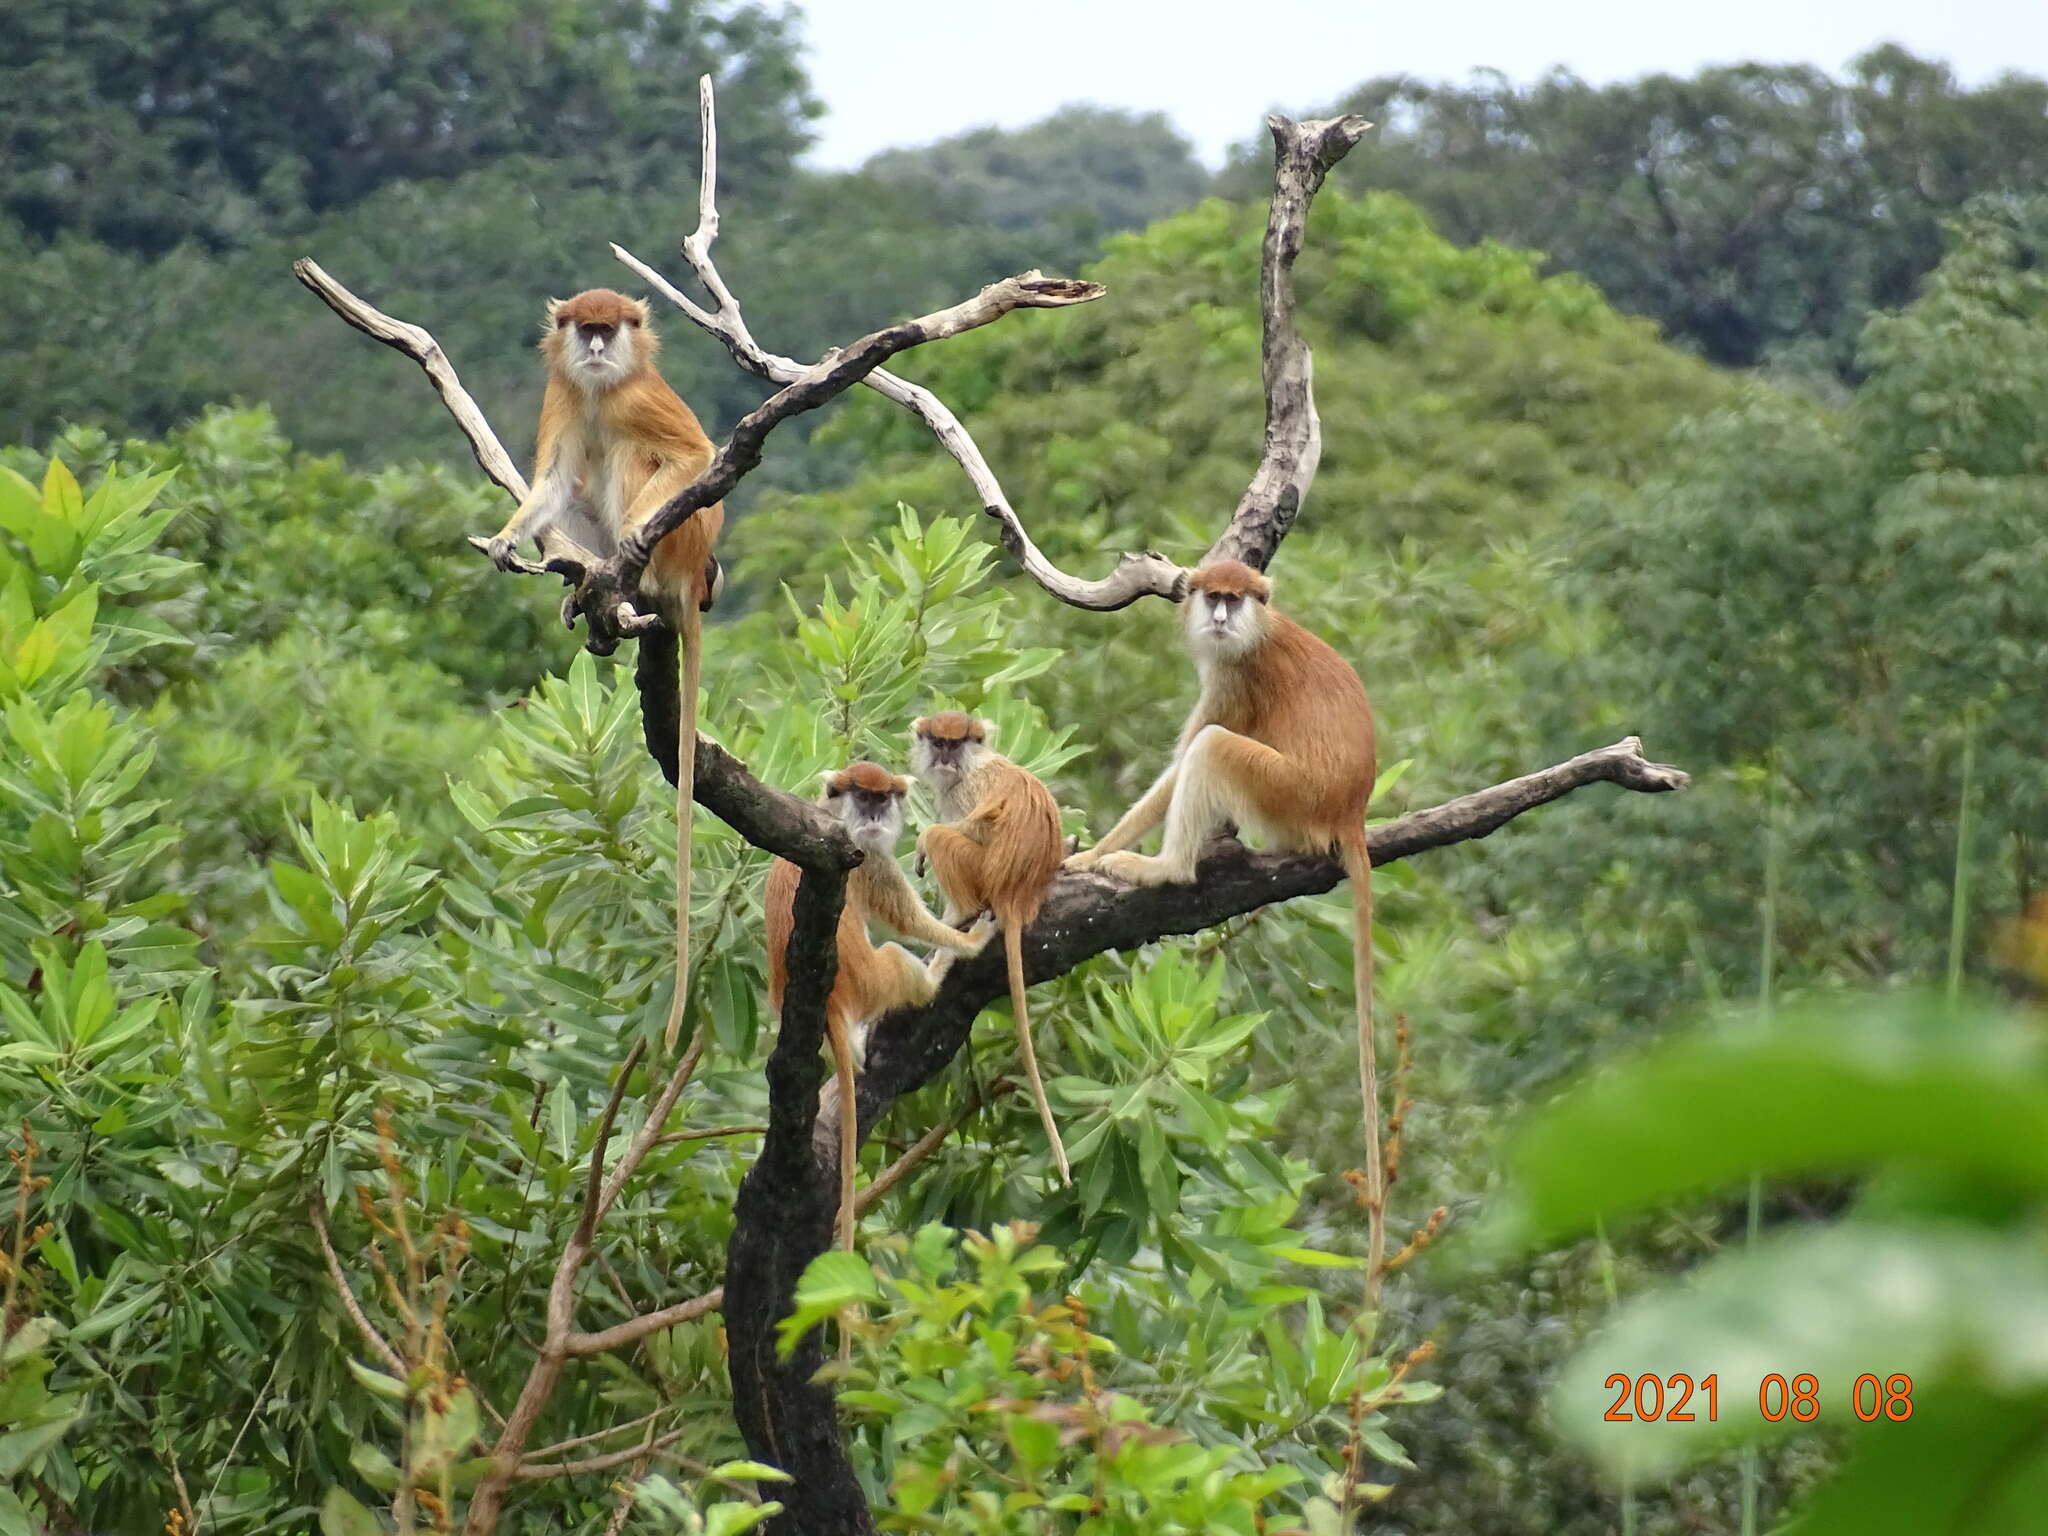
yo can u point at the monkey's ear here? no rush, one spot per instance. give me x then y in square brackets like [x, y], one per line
[985, 732]
[919, 725]
[825, 783]
[900, 785]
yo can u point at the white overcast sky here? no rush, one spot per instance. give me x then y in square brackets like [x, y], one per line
[895, 72]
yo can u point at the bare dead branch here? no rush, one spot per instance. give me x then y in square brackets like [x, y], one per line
[1303, 154]
[1136, 575]
[607, 593]
[419, 345]
[377, 1342]
[598, 1434]
[593, 1210]
[709, 1133]
[560, 554]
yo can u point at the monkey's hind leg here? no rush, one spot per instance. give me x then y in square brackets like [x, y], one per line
[688, 634]
[1224, 777]
[956, 864]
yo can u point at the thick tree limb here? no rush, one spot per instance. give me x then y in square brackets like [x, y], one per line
[1090, 914]
[783, 1219]
[785, 1211]
[1303, 154]
[1136, 575]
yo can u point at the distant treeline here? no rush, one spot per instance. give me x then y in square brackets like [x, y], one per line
[1758, 212]
[459, 162]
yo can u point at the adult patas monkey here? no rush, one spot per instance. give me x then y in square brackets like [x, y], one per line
[868, 800]
[615, 444]
[997, 853]
[1280, 742]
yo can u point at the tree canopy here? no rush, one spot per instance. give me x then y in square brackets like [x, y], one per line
[159, 121]
[1756, 211]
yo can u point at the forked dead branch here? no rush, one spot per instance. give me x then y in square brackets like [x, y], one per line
[786, 1205]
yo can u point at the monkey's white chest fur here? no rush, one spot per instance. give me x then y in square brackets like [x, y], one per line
[597, 480]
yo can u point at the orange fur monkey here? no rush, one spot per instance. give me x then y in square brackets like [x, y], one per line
[997, 853]
[615, 444]
[869, 801]
[1280, 742]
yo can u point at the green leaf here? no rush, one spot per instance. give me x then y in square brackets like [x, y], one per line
[1969, 1463]
[1829, 1089]
[731, 1518]
[341, 1515]
[562, 1119]
[23, 1449]
[374, 1467]
[749, 1471]
[1933, 1302]
[831, 1282]
[14, 1520]
[107, 1319]
[390, 1388]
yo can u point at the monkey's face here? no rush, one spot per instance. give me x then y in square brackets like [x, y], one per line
[1224, 625]
[869, 804]
[945, 746]
[598, 355]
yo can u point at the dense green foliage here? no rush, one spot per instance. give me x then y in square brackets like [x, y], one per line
[159, 121]
[1930, 1287]
[1841, 601]
[1756, 211]
[390, 1041]
[328, 884]
[1059, 186]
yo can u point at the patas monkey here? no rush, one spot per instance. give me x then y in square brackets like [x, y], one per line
[1280, 742]
[997, 852]
[868, 801]
[615, 444]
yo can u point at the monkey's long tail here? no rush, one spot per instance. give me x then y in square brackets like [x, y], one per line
[849, 1126]
[1358, 870]
[1013, 950]
[688, 632]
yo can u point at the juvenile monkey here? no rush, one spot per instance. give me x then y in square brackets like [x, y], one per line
[615, 444]
[1280, 742]
[868, 801]
[998, 853]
